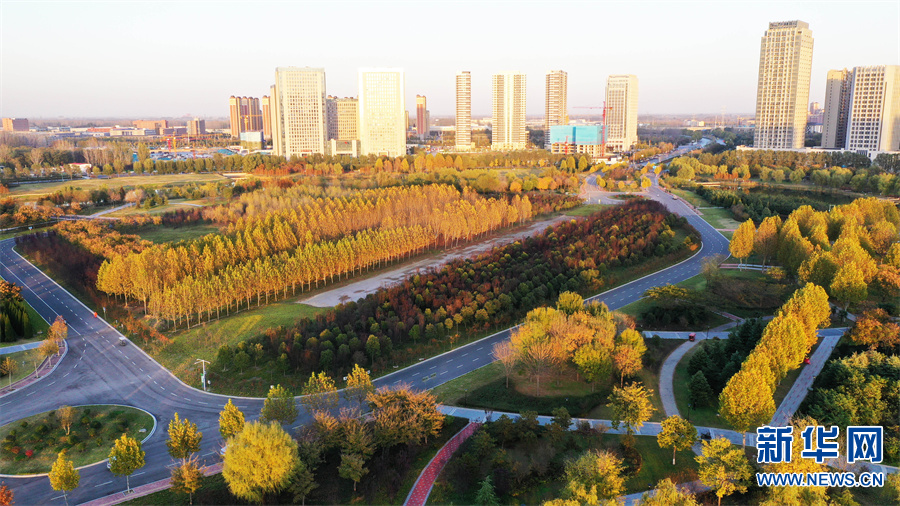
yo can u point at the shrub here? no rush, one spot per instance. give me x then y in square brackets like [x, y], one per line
[24, 424]
[29, 453]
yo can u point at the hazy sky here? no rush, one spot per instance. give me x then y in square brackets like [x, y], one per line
[130, 58]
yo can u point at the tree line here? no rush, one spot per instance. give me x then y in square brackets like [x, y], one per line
[14, 319]
[472, 295]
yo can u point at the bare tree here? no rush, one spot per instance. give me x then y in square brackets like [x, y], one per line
[508, 356]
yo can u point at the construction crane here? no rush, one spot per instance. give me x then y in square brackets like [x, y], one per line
[605, 130]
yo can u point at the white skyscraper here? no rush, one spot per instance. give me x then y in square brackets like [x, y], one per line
[382, 111]
[463, 110]
[782, 96]
[556, 108]
[508, 126]
[621, 118]
[874, 118]
[298, 118]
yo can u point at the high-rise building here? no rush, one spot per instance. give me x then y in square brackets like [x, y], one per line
[464, 110]
[621, 118]
[556, 110]
[15, 124]
[196, 126]
[422, 117]
[245, 115]
[782, 96]
[508, 124]
[342, 116]
[874, 119]
[382, 111]
[267, 102]
[837, 107]
[298, 118]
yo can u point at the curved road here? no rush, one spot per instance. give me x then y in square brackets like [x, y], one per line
[98, 371]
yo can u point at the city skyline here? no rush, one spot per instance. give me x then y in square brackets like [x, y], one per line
[708, 63]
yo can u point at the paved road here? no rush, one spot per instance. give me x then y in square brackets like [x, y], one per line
[97, 371]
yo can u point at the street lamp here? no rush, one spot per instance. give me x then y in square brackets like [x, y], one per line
[689, 411]
[203, 376]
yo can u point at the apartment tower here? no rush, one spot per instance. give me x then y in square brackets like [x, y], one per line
[422, 117]
[508, 124]
[621, 118]
[196, 126]
[782, 96]
[245, 115]
[464, 110]
[267, 102]
[874, 118]
[837, 107]
[298, 118]
[382, 111]
[342, 117]
[556, 110]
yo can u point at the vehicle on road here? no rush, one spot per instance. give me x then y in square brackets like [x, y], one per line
[806, 361]
[692, 336]
[122, 341]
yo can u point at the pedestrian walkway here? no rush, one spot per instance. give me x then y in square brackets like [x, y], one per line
[803, 383]
[147, 489]
[19, 347]
[418, 496]
[46, 367]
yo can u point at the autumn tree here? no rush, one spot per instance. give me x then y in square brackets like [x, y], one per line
[747, 401]
[126, 457]
[628, 354]
[667, 494]
[508, 356]
[593, 477]
[766, 240]
[404, 416]
[741, 245]
[723, 468]
[677, 433]
[875, 329]
[231, 421]
[7, 496]
[359, 385]
[260, 460]
[58, 331]
[849, 285]
[187, 478]
[184, 438]
[594, 363]
[279, 406]
[9, 367]
[810, 306]
[319, 393]
[631, 407]
[48, 348]
[66, 416]
[63, 475]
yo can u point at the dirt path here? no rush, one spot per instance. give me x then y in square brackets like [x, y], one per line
[363, 287]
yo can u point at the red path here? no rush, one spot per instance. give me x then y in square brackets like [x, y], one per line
[422, 489]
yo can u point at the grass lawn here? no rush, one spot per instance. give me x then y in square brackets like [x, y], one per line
[486, 387]
[585, 210]
[719, 218]
[92, 433]
[160, 234]
[692, 198]
[213, 491]
[204, 341]
[38, 189]
[26, 361]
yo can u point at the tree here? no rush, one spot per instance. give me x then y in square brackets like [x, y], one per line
[353, 468]
[63, 475]
[627, 360]
[359, 385]
[723, 468]
[302, 482]
[747, 401]
[849, 285]
[803, 466]
[66, 415]
[593, 477]
[58, 331]
[260, 460]
[486, 495]
[404, 416]
[279, 406]
[766, 242]
[508, 356]
[48, 348]
[10, 367]
[700, 391]
[809, 304]
[184, 439]
[667, 494]
[126, 457]
[875, 329]
[187, 478]
[742, 241]
[6, 495]
[231, 421]
[319, 393]
[677, 433]
[631, 407]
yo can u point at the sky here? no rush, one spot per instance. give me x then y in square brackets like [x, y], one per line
[185, 58]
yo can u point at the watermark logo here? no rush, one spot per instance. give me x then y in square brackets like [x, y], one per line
[865, 443]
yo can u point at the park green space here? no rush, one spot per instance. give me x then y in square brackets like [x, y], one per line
[38, 189]
[91, 436]
[486, 388]
[719, 217]
[26, 362]
[585, 209]
[172, 205]
[164, 233]
[332, 489]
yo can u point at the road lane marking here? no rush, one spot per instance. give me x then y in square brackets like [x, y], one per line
[432, 367]
[102, 484]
